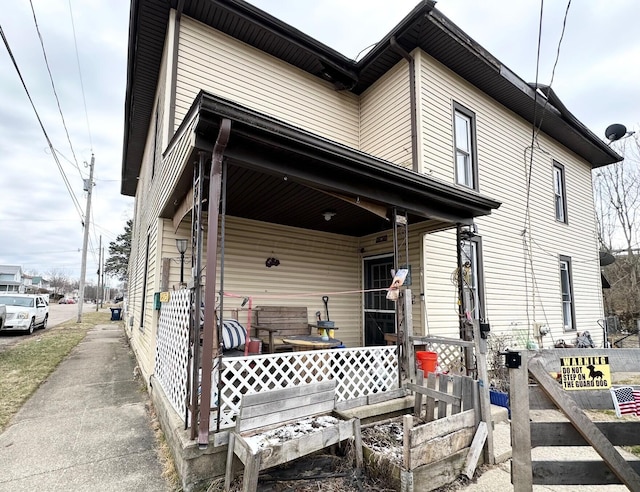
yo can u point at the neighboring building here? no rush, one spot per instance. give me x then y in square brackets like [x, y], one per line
[11, 279]
[39, 284]
[322, 151]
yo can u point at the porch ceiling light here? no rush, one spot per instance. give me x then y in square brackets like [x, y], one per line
[328, 215]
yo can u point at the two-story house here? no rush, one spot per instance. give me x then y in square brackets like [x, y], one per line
[319, 155]
[11, 279]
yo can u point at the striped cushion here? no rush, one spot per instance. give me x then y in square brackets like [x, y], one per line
[233, 334]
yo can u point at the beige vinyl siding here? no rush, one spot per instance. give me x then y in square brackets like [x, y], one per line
[211, 61]
[170, 252]
[154, 182]
[385, 127]
[502, 138]
[312, 264]
[440, 291]
[369, 247]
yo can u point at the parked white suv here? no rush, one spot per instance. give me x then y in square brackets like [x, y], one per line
[25, 312]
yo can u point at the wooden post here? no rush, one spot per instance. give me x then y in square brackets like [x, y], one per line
[521, 473]
[594, 436]
[417, 402]
[483, 381]
[407, 340]
[164, 278]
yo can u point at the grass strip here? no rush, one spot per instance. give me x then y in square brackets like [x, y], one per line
[27, 364]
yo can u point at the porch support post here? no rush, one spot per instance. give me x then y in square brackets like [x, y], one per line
[466, 326]
[210, 332]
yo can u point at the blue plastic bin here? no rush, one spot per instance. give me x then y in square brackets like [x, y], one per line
[116, 313]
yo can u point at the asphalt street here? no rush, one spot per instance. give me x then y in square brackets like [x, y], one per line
[58, 313]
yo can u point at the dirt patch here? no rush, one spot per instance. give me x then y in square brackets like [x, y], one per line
[317, 472]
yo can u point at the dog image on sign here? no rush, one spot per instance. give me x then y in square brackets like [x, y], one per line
[585, 373]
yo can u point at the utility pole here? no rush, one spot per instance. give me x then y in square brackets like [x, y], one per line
[88, 187]
[102, 270]
[99, 269]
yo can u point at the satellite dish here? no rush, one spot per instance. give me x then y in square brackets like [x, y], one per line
[606, 258]
[615, 132]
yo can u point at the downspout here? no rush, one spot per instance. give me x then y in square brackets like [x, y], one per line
[412, 100]
[174, 66]
[210, 332]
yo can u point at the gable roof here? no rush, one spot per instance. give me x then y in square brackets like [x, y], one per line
[10, 269]
[424, 27]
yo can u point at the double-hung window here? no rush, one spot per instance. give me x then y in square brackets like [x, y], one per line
[465, 144]
[559, 192]
[568, 311]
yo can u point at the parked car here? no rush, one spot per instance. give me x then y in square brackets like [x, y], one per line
[62, 301]
[25, 312]
[3, 315]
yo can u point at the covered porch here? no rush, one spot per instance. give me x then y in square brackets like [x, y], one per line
[298, 218]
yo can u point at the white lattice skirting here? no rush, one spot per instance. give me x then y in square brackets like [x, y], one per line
[358, 372]
[172, 349]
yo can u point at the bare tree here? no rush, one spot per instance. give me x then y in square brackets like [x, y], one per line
[617, 199]
[58, 280]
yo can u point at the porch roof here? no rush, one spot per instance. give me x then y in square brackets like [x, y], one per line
[424, 27]
[282, 174]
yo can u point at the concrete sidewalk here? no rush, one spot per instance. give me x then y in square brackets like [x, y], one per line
[86, 427]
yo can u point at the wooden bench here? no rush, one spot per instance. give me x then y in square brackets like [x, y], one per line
[280, 322]
[270, 410]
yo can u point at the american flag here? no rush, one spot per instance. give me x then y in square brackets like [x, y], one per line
[626, 400]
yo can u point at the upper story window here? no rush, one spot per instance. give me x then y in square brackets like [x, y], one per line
[464, 122]
[560, 192]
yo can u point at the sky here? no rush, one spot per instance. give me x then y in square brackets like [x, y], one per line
[597, 78]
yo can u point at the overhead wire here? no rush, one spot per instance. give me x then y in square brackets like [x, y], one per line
[526, 233]
[84, 99]
[527, 236]
[555, 64]
[53, 86]
[44, 131]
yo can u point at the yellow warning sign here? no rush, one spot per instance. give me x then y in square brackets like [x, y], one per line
[164, 296]
[585, 373]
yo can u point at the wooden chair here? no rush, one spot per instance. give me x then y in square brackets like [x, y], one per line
[273, 409]
[280, 322]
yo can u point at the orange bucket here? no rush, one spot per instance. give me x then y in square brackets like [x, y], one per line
[427, 361]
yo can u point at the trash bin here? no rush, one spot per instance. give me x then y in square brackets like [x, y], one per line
[115, 314]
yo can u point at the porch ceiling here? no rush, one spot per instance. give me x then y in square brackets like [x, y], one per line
[281, 174]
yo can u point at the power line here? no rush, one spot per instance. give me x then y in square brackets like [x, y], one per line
[53, 86]
[555, 64]
[84, 99]
[53, 153]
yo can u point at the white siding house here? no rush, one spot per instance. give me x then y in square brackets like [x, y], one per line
[312, 131]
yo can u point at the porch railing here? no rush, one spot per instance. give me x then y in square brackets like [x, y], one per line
[359, 372]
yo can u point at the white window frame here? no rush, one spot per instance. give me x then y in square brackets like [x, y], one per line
[473, 277]
[465, 159]
[566, 293]
[559, 192]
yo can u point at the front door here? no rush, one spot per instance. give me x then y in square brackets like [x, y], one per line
[379, 313]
